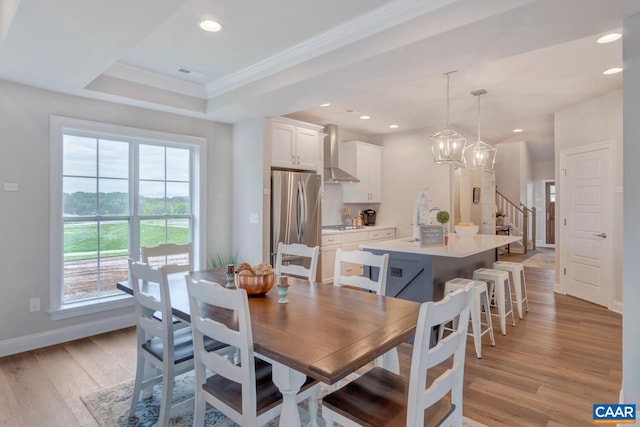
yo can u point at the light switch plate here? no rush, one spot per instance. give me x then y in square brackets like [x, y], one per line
[10, 186]
[253, 218]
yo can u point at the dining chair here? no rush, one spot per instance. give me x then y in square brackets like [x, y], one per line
[377, 285]
[300, 251]
[172, 256]
[159, 346]
[382, 398]
[243, 391]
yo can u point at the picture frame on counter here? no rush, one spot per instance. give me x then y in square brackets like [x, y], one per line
[431, 235]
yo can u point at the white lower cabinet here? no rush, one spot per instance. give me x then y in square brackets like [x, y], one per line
[349, 241]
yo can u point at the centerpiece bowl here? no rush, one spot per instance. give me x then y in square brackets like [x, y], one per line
[466, 231]
[255, 285]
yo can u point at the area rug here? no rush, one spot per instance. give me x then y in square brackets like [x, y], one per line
[541, 261]
[110, 406]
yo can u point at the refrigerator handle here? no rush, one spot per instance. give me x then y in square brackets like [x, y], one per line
[299, 196]
[303, 210]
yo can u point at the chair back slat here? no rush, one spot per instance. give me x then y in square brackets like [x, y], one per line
[381, 262]
[163, 255]
[298, 250]
[143, 280]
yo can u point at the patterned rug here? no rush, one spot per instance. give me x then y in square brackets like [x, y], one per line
[110, 406]
[541, 261]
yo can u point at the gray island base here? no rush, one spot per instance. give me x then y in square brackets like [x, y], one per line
[418, 273]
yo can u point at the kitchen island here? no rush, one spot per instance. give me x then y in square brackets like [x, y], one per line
[419, 273]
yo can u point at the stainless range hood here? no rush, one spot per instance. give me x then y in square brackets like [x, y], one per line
[332, 171]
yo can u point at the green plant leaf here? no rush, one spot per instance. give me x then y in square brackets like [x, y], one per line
[220, 260]
[442, 217]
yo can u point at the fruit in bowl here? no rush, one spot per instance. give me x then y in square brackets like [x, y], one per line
[466, 230]
[256, 280]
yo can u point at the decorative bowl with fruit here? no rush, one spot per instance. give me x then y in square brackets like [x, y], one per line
[466, 230]
[256, 280]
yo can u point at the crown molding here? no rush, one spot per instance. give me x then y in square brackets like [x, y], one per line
[358, 28]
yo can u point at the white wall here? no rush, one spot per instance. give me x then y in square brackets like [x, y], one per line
[24, 215]
[596, 120]
[407, 166]
[250, 177]
[631, 318]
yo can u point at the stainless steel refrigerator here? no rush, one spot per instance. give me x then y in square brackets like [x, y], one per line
[295, 211]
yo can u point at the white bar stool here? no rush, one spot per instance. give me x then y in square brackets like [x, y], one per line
[519, 284]
[479, 305]
[500, 285]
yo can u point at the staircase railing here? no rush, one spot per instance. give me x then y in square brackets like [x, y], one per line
[521, 217]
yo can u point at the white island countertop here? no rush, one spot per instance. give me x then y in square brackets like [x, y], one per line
[457, 247]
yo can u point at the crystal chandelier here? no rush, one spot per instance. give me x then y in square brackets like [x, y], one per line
[447, 145]
[480, 156]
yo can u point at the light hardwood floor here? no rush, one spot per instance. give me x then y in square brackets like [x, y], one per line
[565, 355]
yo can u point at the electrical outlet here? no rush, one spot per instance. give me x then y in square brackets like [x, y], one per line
[34, 305]
[253, 218]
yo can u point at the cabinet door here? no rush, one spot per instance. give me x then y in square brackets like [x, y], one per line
[282, 144]
[327, 263]
[307, 149]
[374, 171]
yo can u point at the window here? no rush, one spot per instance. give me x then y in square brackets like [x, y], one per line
[114, 190]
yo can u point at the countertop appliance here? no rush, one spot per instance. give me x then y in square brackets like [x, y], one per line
[369, 217]
[295, 212]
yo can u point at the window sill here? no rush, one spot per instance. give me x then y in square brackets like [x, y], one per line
[86, 308]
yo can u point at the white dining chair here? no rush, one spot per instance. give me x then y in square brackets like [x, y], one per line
[295, 251]
[176, 258]
[159, 346]
[377, 285]
[382, 398]
[243, 391]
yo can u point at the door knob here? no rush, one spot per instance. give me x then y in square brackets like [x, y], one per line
[603, 235]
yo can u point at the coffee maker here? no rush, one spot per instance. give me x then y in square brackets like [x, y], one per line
[369, 217]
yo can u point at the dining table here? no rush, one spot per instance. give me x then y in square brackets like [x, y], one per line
[325, 332]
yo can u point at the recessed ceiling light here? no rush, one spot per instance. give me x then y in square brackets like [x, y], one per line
[394, 126]
[612, 71]
[610, 38]
[211, 26]
[518, 130]
[325, 105]
[365, 117]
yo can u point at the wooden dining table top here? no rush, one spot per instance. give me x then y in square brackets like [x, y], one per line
[325, 332]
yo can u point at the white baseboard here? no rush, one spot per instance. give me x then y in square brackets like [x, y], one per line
[558, 289]
[68, 333]
[616, 306]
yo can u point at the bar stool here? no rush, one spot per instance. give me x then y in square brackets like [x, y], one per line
[519, 284]
[500, 285]
[479, 305]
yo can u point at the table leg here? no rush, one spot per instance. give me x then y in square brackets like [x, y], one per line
[289, 382]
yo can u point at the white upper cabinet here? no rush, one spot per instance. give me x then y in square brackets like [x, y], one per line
[295, 145]
[364, 161]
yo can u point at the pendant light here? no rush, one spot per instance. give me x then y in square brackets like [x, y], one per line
[479, 156]
[447, 145]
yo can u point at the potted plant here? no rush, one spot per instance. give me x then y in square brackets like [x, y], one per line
[500, 217]
[443, 218]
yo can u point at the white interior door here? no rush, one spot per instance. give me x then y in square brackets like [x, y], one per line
[587, 197]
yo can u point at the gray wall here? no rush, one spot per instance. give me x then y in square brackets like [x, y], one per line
[24, 215]
[631, 274]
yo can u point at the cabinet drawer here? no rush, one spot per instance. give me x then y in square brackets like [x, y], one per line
[330, 239]
[389, 233]
[358, 236]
